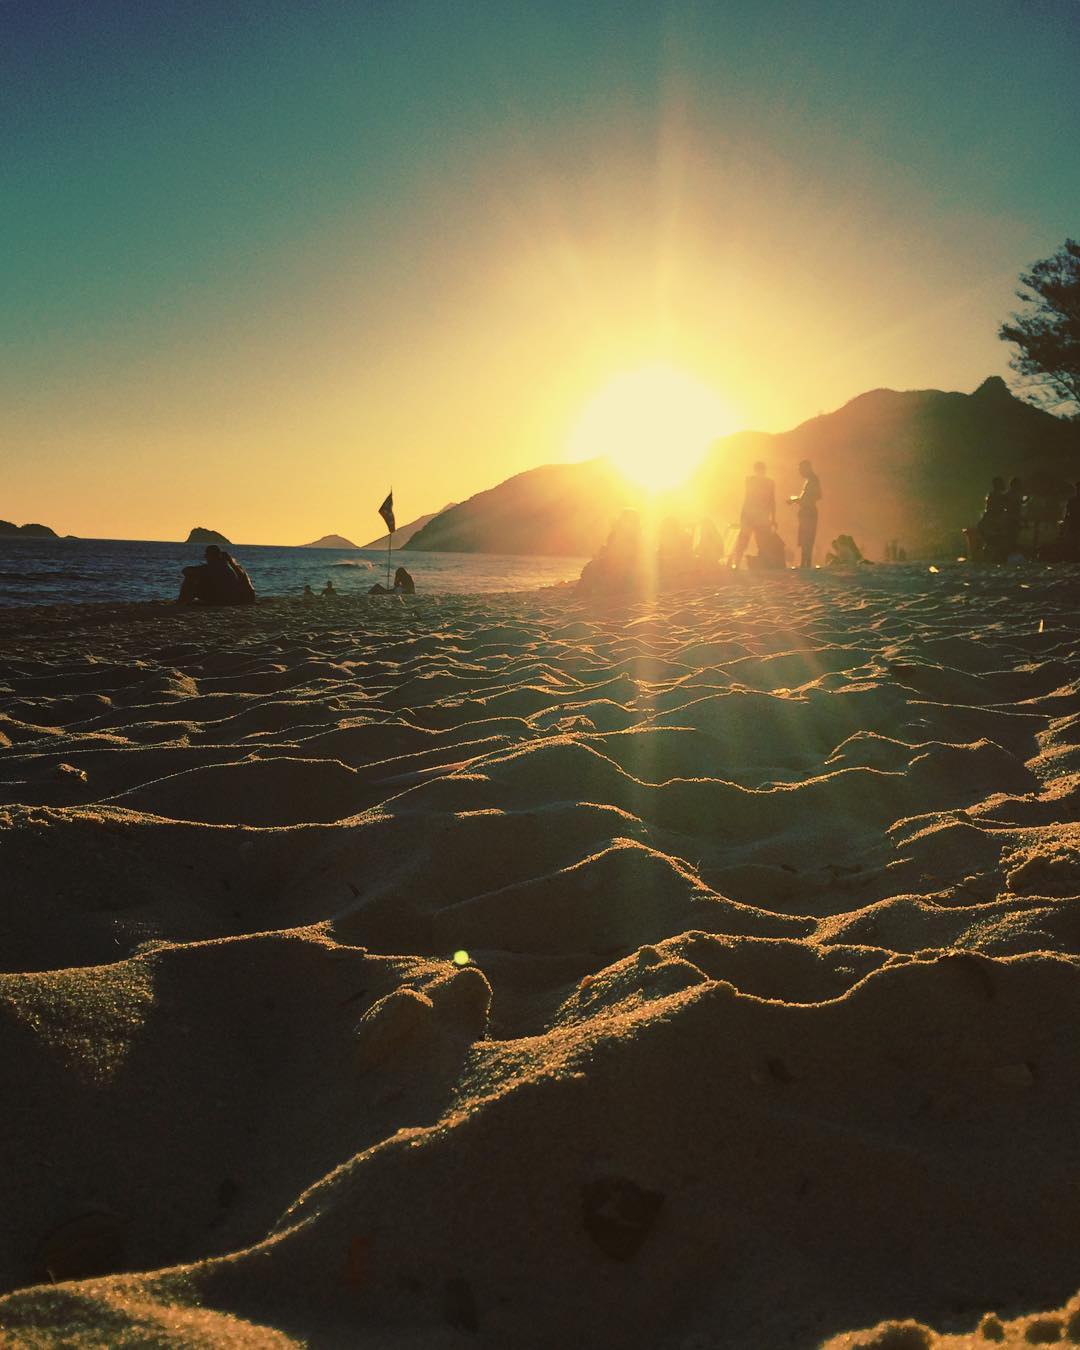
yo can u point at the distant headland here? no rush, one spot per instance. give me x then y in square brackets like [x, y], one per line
[8, 529]
[404, 533]
[331, 541]
[199, 535]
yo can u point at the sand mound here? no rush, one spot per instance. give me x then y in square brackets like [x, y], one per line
[280, 791]
[699, 974]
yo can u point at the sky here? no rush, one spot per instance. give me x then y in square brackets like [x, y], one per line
[260, 261]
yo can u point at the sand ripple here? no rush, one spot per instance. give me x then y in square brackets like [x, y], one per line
[768, 1020]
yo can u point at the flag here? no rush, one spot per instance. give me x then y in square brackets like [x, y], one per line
[387, 511]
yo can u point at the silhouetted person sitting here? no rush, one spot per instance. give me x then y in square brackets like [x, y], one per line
[845, 552]
[770, 553]
[220, 580]
[710, 545]
[807, 502]
[758, 515]
[620, 561]
[403, 585]
[674, 551]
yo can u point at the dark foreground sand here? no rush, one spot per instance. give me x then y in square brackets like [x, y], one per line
[771, 1024]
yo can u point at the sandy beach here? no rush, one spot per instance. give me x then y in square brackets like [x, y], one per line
[696, 973]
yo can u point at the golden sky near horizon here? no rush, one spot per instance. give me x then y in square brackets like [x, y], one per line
[287, 422]
[266, 348]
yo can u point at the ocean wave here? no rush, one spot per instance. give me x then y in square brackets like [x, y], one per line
[355, 562]
[44, 576]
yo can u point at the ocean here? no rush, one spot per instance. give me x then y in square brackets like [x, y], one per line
[80, 571]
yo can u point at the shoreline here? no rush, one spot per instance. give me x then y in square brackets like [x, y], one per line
[714, 580]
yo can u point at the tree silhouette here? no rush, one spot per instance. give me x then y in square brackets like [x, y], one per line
[1047, 332]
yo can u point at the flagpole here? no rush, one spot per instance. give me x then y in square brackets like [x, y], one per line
[387, 513]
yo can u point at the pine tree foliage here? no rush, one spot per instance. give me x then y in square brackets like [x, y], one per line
[1047, 331]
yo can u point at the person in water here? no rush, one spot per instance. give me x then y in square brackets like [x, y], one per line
[758, 516]
[328, 590]
[807, 503]
[220, 580]
[308, 594]
[403, 585]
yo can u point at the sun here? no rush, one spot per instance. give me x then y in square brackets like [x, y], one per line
[654, 423]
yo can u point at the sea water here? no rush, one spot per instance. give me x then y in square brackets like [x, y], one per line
[80, 571]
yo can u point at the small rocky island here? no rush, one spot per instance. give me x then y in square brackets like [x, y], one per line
[9, 530]
[331, 541]
[199, 535]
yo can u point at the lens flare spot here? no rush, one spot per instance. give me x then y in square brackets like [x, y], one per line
[461, 957]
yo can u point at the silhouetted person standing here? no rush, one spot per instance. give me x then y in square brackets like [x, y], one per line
[807, 503]
[990, 535]
[1013, 507]
[1068, 541]
[758, 515]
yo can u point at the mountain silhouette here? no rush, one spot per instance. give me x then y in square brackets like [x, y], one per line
[8, 528]
[557, 509]
[404, 533]
[200, 535]
[330, 541]
[912, 466]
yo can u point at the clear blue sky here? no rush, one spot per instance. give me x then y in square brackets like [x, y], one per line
[257, 259]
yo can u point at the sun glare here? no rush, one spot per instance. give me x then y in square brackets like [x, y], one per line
[654, 423]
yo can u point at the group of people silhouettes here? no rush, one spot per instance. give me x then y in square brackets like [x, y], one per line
[997, 535]
[633, 559]
[403, 585]
[757, 519]
[327, 593]
[219, 580]
[629, 559]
